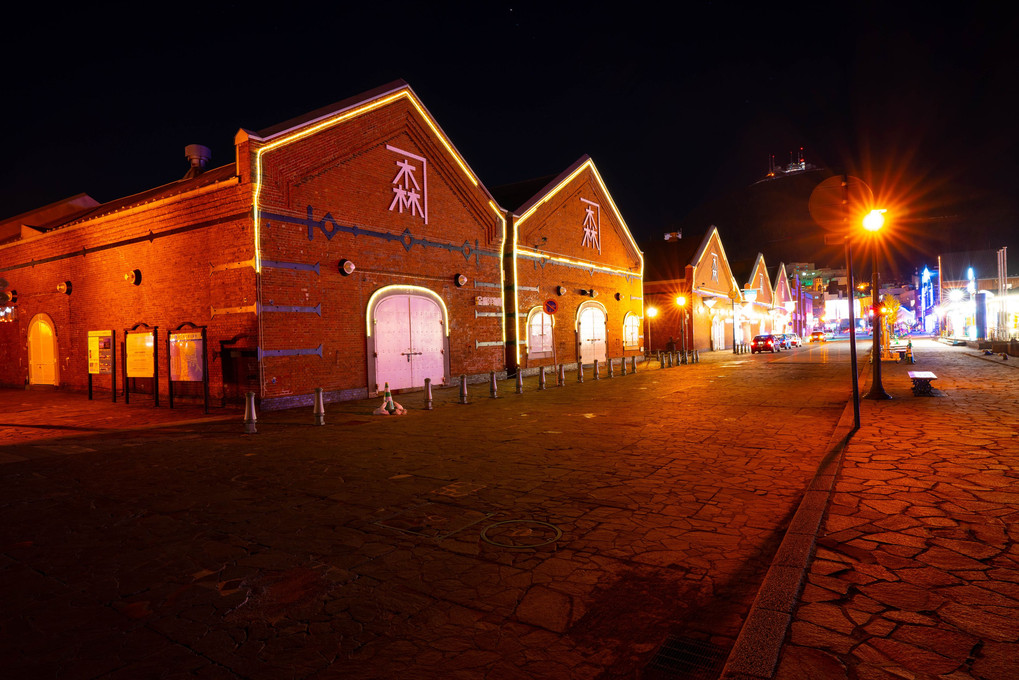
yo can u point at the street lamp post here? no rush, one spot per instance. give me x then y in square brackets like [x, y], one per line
[652, 312]
[873, 223]
[681, 303]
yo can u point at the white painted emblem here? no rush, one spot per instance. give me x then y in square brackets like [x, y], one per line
[592, 225]
[714, 267]
[408, 194]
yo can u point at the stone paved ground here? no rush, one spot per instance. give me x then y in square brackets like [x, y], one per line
[916, 573]
[553, 534]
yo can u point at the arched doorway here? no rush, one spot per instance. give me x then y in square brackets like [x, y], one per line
[407, 326]
[42, 351]
[591, 333]
[717, 332]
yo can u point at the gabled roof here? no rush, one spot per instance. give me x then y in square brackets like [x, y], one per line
[325, 112]
[352, 107]
[516, 192]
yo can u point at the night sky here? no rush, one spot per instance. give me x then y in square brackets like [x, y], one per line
[679, 111]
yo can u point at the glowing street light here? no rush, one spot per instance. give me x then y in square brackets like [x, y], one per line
[652, 312]
[681, 303]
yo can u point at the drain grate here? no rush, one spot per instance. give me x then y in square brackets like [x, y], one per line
[687, 659]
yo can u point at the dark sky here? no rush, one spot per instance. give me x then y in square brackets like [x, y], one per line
[678, 109]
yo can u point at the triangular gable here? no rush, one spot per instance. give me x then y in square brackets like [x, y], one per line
[712, 274]
[533, 209]
[782, 292]
[761, 282]
[329, 117]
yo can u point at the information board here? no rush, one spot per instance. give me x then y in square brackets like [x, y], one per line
[100, 352]
[139, 354]
[186, 356]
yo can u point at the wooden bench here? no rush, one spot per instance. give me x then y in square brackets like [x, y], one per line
[922, 383]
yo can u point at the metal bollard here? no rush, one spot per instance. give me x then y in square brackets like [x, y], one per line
[696, 356]
[633, 363]
[250, 418]
[610, 368]
[463, 389]
[520, 381]
[596, 376]
[541, 378]
[580, 371]
[492, 385]
[428, 394]
[561, 379]
[623, 364]
[683, 357]
[320, 408]
[661, 360]
[670, 360]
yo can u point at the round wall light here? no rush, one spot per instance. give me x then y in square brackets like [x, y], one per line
[134, 277]
[64, 287]
[460, 280]
[559, 290]
[347, 267]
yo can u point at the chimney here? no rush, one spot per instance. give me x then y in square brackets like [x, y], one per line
[198, 156]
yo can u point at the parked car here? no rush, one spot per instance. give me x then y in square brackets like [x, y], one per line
[782, 340]
[764, 343]
[818, 336]
[794, 340]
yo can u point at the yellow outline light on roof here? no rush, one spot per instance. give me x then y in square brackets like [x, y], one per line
[403, 93]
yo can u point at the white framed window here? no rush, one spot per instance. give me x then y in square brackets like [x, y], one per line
[539, 334]
[631, 331]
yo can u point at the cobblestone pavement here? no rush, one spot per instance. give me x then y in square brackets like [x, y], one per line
[564, 533]
[916, 572]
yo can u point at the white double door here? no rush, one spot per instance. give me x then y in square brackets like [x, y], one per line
[409, 342]
[591, 327]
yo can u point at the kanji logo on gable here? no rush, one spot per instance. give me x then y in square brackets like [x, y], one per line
[408, 194]
[592, 225]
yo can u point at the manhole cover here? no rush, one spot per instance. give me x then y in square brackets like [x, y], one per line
[521, 533]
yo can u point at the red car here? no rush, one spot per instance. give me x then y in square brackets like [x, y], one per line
[764, 343]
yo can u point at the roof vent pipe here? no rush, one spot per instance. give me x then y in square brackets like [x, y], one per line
[198, 156]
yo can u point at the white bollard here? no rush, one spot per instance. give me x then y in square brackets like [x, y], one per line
[541, 378]
[520, 382]
[610, 367]
[492, 386]
[633, 364]
[596, 376]
[428, 394]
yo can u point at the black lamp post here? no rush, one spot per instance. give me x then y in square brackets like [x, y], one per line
[873, 223]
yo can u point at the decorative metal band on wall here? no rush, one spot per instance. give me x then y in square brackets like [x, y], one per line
[293, 309]
[266, 263]
[478, 343]
[406, 239]
[262, 353]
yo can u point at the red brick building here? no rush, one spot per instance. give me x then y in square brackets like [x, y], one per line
[345, 249]
[575, 281]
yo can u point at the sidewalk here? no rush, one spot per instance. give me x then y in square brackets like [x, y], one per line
[916, 571]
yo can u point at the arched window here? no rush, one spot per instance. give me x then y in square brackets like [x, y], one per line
[539, 334]
[631, 331]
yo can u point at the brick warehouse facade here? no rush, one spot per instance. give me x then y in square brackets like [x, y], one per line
[345, 249]
[571, 248]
